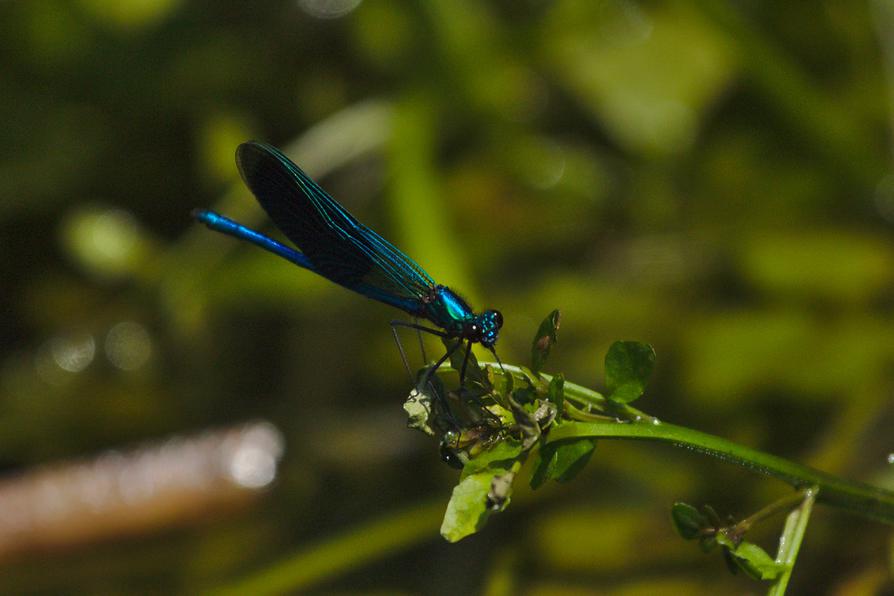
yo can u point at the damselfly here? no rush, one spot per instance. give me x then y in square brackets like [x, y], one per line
[332, 243]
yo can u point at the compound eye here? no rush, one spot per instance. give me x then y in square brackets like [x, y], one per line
[498, 319]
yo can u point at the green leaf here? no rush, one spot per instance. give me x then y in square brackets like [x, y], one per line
[688, 521]
[502, 456]
[628, 365]
[485, 486]
[755, 561]
[475, 498]
[467, 510]
[544, 340]
[562, 461]
[556, 394]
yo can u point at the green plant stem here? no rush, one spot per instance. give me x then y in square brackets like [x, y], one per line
[578, 414]
[783, 504]
[861, 499]
[790, 540]
[854, 497]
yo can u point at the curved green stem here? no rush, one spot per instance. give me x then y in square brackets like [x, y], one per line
[784, 504]
[855, 497]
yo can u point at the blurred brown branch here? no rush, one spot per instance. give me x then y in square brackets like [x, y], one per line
[137, 491]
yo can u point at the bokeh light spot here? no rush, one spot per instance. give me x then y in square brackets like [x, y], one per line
[106, 242]
[254, 460]
[73, 353]
[128, 345]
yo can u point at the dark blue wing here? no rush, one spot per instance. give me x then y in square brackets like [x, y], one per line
[340, 248]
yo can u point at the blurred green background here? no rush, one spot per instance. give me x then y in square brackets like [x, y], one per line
[710, 177]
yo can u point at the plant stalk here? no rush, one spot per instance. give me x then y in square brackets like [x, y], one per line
[854, 497]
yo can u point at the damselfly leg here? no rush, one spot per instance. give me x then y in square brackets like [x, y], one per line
[426, 379]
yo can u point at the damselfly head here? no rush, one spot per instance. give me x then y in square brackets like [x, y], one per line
[490, 322]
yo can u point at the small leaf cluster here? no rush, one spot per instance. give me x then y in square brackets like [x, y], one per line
[705, 527]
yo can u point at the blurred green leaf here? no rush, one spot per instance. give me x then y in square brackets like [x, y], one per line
[129, 15]
[730, 354]
[385, 33]
[628, 365]
[815, 265]
[604, 540]
[416, 203]
[477, 63]
[649, 75]
[543, 341]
